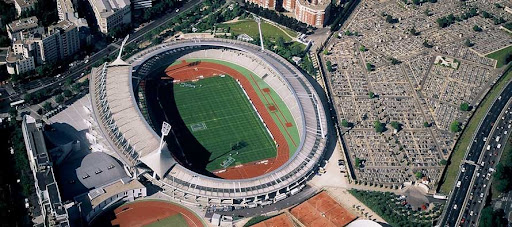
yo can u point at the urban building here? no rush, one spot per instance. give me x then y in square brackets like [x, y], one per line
[289, 5]
[19, 63]
[68, 38]
[111, 14]
[24, 5]
[17, 29]
[49, 209]
[267, 4]
[141, 4]
[314, 12]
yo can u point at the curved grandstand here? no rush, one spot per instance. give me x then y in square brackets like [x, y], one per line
[118, 93]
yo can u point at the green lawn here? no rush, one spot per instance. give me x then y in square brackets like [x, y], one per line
[219, 115]
[290, 133]
[465, 139]
[500, 56]
[250, 27]
[176, 221]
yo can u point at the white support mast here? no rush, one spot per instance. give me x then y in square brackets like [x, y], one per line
[258, 20]
[166, 128]
[122, 46]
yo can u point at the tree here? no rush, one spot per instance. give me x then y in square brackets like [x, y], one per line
[443, 162]
[455, 126]
[418, 175]
[485, 14]
[358, 162]
[47, 106]
[59, 98]
[369, 66]
[13, 112]
[281, 43]
[371, 94]
[427, 45]
[362, 48]
[379, 127]
[476, 28]
[345, 123]
[326, 52]
[395, 61]
[464, 106]
[67, 93]
[414, 32]
[426, 124]
[468, 43]
[329, 66]
[396, 125]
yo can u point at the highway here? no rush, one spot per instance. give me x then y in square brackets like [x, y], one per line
[77, 71]
[471, 163]
[489, 159]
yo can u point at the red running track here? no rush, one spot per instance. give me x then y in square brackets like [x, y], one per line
[146, 212]
[192, 71]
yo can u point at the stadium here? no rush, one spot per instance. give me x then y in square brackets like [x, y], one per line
[247, 127]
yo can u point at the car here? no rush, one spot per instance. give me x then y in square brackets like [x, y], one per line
[455, 207]
[458, 184]
[177, 10]
[485, 139]
[471, 213]
[462, 220]
[485, 185]
[488, 147]
[86, 61]
[463, 169]
[499, 146]
[505, 132]
[481, 195]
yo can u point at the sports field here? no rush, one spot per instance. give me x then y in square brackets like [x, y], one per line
[176, 221]
[220, 116]
[282, 116]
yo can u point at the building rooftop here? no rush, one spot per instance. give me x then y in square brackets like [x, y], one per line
[106, 192]
[64, 25]
[45, 177]
[107, 7]
[23, 24]
[25, 3]
[98, 169]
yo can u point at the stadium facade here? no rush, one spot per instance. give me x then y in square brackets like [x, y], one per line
[129, 134]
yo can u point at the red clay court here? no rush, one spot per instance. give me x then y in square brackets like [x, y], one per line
[192, 71]
[146, 212]
[281, 220]
[322, 210]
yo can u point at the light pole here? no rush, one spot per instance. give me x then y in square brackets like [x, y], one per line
[166, 128]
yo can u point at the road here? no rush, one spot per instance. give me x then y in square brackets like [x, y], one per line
[490, 157]
[76, 72]
[467, 171]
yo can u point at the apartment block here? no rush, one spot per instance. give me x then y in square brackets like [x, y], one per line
[110, 14]
[267, 4]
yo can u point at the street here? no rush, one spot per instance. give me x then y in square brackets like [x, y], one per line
[467, 172]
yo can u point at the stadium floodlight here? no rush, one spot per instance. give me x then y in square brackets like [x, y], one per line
[166, 128]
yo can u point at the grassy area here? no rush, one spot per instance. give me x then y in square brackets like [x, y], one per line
[507, 152]
[500, 56]
[221, 118]
[176, 221]
[467, 135]
[250, 27]
[290, 133]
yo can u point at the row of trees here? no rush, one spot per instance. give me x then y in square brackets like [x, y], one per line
[279, 18]
[386, 206]
[446, 21]
[503, 174]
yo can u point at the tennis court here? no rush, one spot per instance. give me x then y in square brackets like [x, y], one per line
[322, 210]
[220, 116]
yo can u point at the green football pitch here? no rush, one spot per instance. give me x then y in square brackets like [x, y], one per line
[220, 116]
[176, 221]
